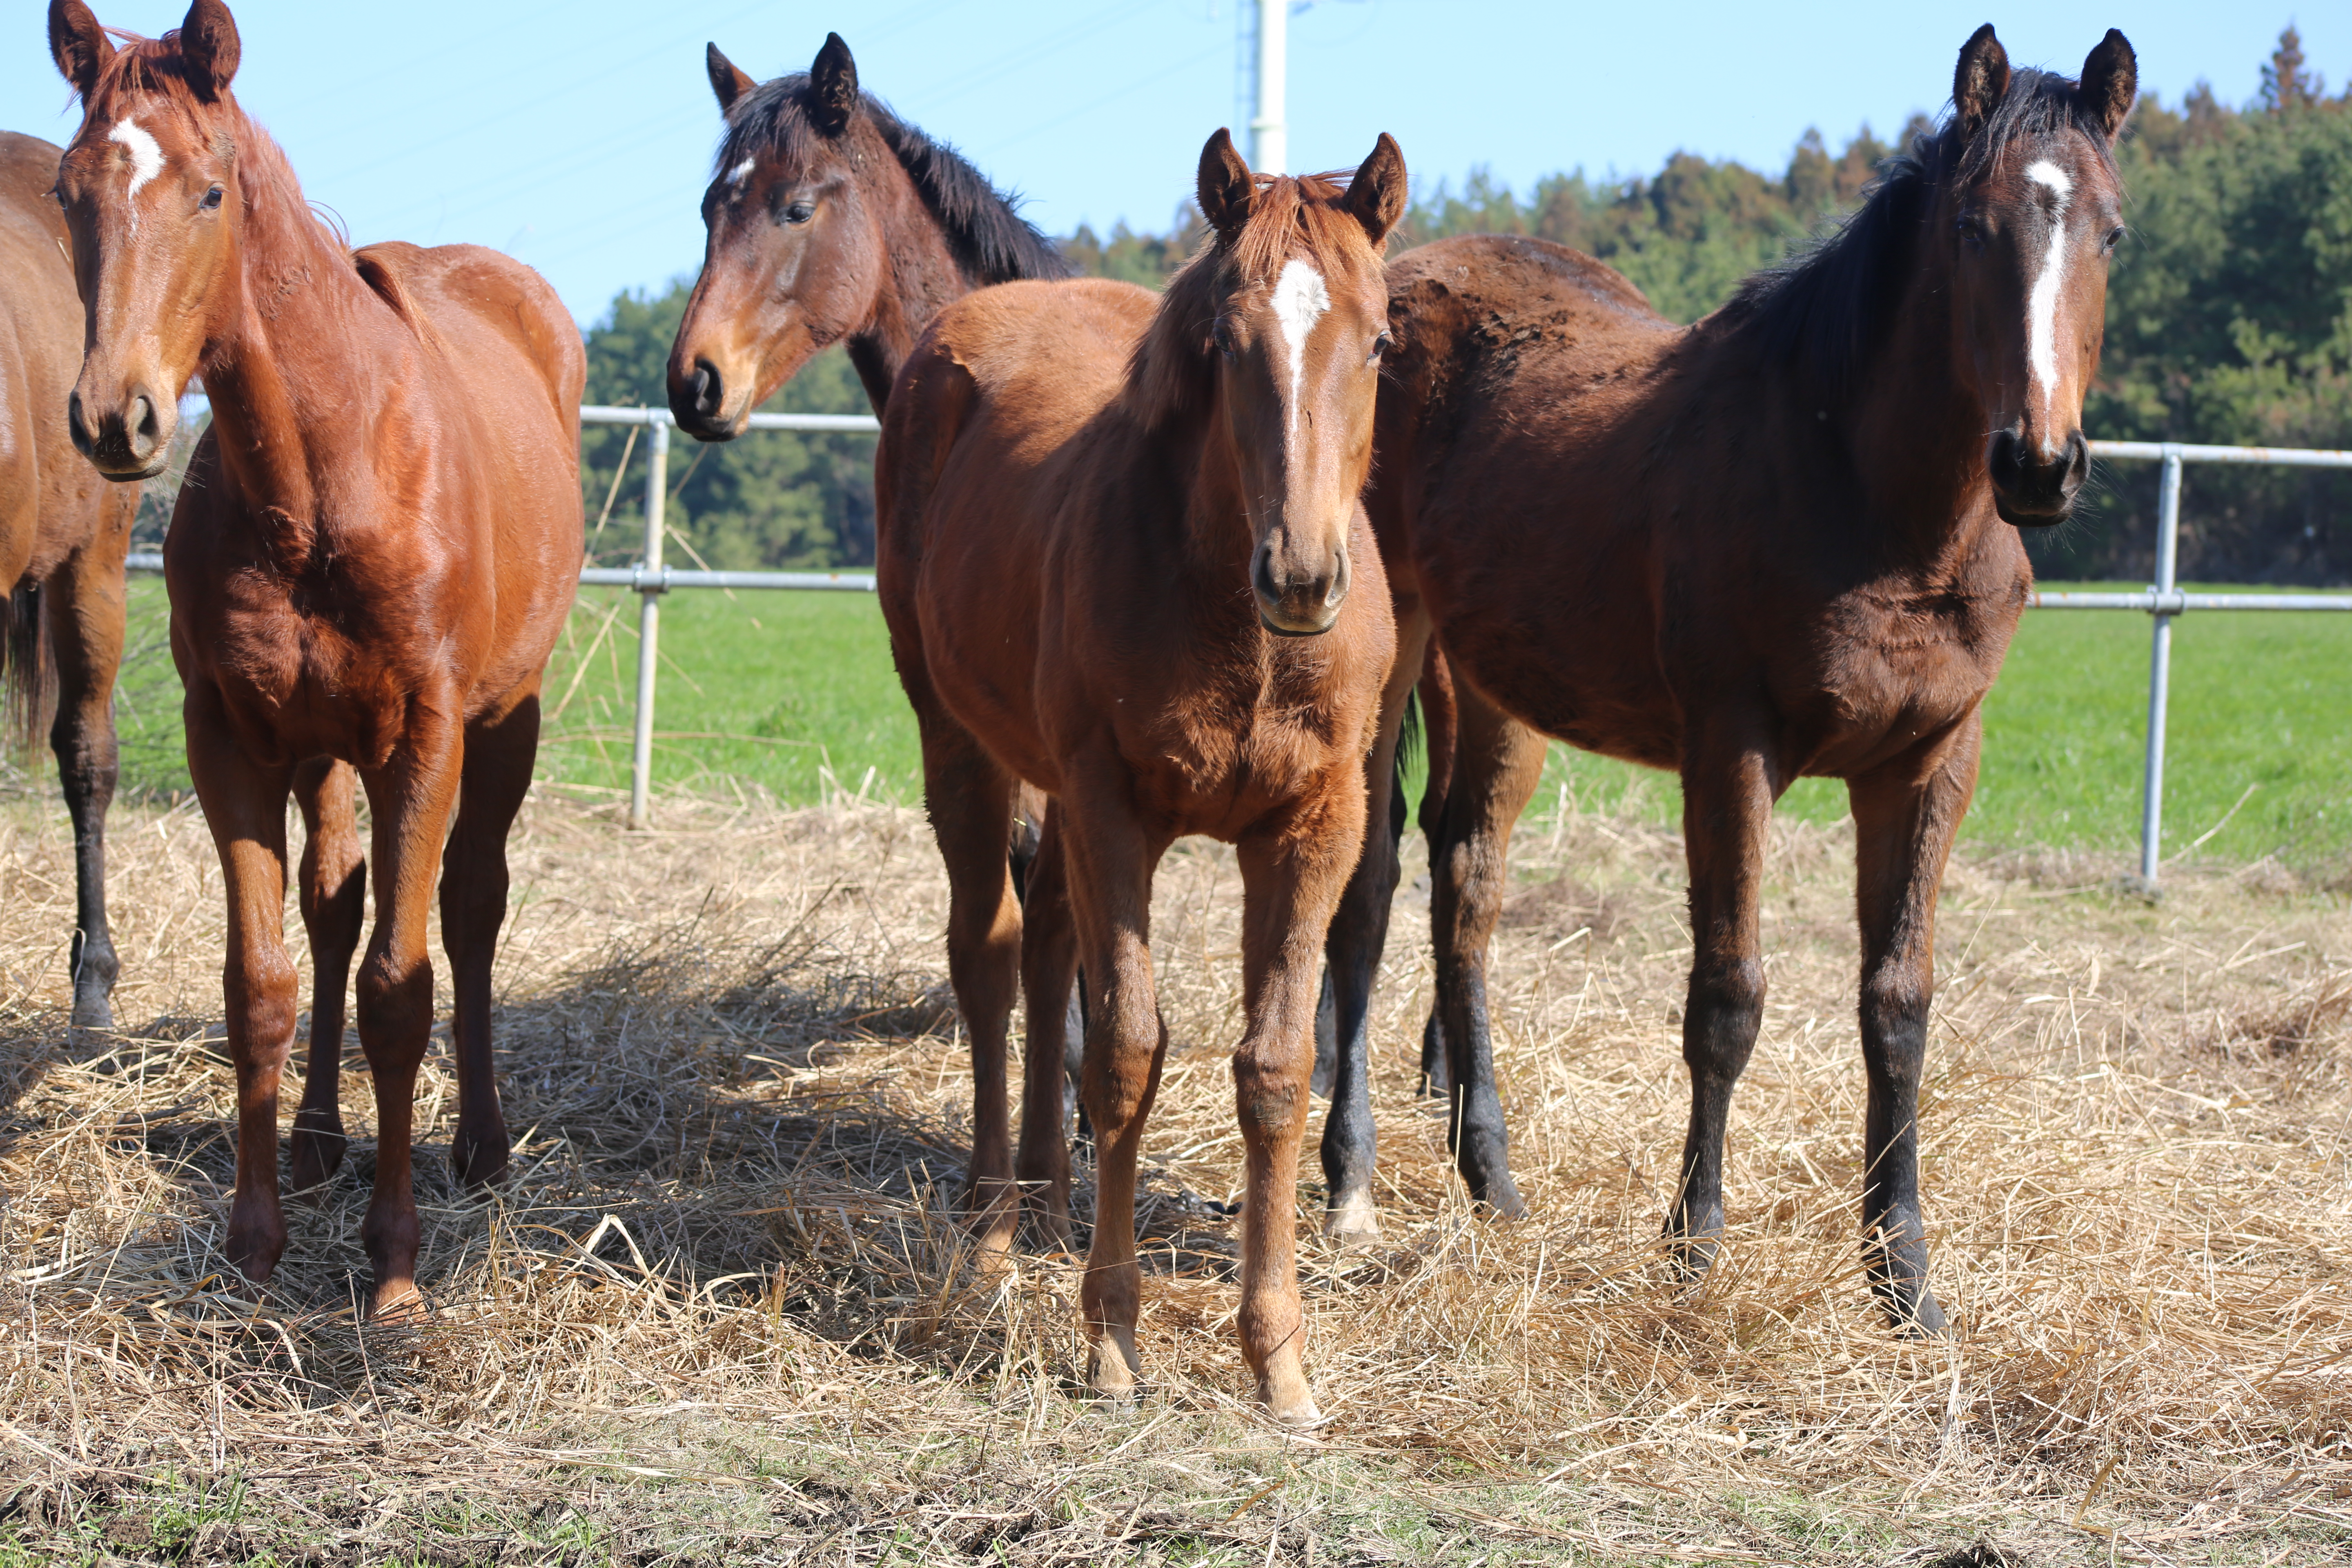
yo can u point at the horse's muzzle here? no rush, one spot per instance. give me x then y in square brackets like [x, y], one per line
[128, 443]
[698, 402]
[2029, 490]
[1294, 604]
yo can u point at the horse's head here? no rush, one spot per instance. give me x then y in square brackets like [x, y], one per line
[1295, 308]
[150, 196]
[796, 256]
[2033, 214]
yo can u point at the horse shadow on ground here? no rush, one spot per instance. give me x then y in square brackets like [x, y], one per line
[716, 1123]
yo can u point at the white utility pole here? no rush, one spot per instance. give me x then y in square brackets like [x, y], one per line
[1269, 138]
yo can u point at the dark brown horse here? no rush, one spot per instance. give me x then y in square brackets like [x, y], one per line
[829, 218]
[377, 543]
[1123, 560]
[63, 534]
[1780, 542]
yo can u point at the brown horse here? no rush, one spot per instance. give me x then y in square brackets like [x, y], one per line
[829, 218]
[376, 546]
[1122, 559]
[64, 530]
[1780, 542]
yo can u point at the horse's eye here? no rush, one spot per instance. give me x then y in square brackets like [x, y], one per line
[2115, 237]
[800, 212]
[1223, 336]
[212, 199]
[1380, 345]
[1971, 230]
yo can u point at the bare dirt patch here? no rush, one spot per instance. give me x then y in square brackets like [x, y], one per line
[722, 1311]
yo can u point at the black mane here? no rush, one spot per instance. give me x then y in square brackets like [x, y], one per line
[1825, 310]
[990, 241]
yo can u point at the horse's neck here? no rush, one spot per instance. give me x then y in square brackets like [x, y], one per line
[921, 280]
[1916, 435]
[297, 343]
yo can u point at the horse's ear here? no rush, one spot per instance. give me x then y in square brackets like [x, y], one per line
[209, 47]
[2111, 81]
[78, 43]
[728, 82]
[833, 86]
[1376, 195]
[1228, 189]
[1981, 81]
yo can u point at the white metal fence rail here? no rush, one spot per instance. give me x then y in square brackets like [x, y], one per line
[650, 579]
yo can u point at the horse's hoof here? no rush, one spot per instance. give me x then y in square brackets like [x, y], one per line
[1113, 1369]
[396, 1300]
[1923, 1320]
[1299, 1412]
[1353, 1221]
[93, 1010]
[478, 1162]
[1051, 1222]
[256, 1242]
[1502, 1199]
[315, 1152]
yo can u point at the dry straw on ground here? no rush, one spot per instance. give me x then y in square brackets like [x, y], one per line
[722, 1311]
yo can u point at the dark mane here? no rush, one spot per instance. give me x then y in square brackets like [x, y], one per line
[990, 241]
[1824, 312]
[1170, 372]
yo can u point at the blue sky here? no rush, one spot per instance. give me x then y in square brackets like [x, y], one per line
[577, 133]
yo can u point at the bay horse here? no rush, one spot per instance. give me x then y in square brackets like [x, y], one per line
[829, 219]
[1780, 542]
[376, 546]
[64, 530]
[1123, 560]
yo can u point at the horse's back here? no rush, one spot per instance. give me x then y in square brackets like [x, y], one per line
[509, 368]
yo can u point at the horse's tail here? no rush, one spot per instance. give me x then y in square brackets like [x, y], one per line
[1437, 724]
[27, 672]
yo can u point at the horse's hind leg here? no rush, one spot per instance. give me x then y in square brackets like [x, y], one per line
[1359, 930]
[1048, 968]
[1496, 765]
[496, 774]
[85, 614]
[1904, 816]
[971, 801]
[1727, 795]
[334, 896]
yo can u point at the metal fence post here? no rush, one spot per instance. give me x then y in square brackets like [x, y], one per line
[2159, 669]
[649, 591]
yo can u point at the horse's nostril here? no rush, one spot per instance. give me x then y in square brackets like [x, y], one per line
[708, 390]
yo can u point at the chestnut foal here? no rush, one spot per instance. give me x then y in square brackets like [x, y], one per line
[375, 551]
[64, 530]
[1780, 542]
[1122, 559]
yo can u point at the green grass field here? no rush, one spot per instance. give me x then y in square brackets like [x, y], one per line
[794, 692]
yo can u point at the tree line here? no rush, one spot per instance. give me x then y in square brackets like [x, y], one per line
[2229, 320]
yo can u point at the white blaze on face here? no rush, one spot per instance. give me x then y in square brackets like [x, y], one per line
[146, 160]
[2042, 303]
[735, 176]
[1299, 301]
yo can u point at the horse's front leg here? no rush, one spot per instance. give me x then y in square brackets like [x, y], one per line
[1727, 795]
[1359, 931]
[409, 798]
[245, 805]
[1904, 816]
[1293, 872]
[1109, 858]
[1495, 767]
[86, 617]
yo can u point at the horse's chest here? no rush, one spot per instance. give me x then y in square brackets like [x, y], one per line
[1889, 670]
[295, 685]
[1212, 762]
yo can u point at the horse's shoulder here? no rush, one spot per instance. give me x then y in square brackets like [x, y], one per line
[446, 291]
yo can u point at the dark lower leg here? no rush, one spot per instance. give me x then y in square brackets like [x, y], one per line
[474, 882]
[1721, 1014]
[1048, 972]
[332, 891]
[85, 618]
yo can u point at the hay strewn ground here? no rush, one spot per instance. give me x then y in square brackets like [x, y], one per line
[721, 1313]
